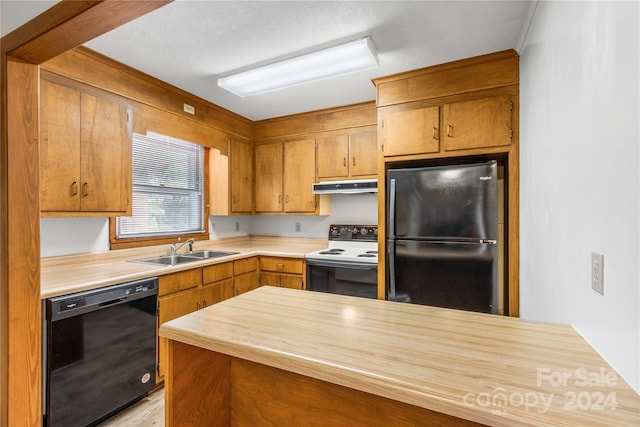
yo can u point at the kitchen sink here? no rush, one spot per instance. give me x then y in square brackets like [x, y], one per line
[210, 254]
[168, 260]
[178, 259]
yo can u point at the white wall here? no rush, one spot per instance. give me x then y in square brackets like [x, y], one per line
[579, 193]
[345, 209]
[65, 236]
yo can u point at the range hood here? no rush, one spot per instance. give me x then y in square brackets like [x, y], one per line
[346, 187]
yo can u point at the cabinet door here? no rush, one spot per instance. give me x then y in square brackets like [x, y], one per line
[299, 176]
[216, 292]
[241, 177]
[333, 156]
[411, 132]
[171, 307]
[269, 279]
[478, 123]
[245, 282]
[364, 153]
[269, 178]
[59, 148]
[290, 281]
[105, 156]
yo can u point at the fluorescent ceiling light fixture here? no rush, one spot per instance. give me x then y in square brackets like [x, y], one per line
[346, 58]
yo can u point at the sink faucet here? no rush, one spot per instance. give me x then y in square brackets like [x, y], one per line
[177, 245]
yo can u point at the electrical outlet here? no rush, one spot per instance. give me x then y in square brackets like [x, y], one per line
[597, 272]
[237, 226]
[298, 227]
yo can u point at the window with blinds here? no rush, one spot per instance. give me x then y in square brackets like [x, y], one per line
[168, 188]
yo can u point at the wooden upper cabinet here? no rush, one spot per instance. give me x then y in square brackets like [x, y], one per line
[241, 176]
[411, 131]
[363, 146]
[85, 153]
[105, 156]
[333, 156]
[347, 155]
[59, 148]
[299, 176]
[484, 122]
[269, 163]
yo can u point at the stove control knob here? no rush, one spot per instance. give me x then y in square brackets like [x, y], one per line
[375, 231]
[334, 231]
[364, 231]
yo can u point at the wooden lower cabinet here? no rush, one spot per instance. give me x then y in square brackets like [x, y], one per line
[187, 291]
[245, 275]
[283, 272]
[206, 388]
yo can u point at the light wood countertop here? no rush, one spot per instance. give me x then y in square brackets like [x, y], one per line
[489, 369]
[74, 273]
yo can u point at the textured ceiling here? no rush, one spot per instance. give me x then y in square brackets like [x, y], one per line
[190, 43]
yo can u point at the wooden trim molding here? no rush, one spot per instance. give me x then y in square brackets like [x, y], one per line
[69, 24]
[62, 27]
[338, 118]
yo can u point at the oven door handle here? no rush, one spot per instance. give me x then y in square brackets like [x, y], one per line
[342, 264]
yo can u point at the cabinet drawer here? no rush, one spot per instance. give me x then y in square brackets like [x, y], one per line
[178, 281]
[282, 265]
[245, 265]
[214, 273]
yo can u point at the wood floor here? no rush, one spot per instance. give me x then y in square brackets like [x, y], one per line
[148, 412]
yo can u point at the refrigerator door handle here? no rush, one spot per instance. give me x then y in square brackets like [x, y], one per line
[391, 256]
[489, 241]
[392, 209]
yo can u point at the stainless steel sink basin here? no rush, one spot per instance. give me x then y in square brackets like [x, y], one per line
[183, 258]
[210, 254]
[168, 260]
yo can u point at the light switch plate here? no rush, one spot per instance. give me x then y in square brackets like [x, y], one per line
[597, 272]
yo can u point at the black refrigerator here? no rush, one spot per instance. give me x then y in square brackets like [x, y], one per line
[442, 232]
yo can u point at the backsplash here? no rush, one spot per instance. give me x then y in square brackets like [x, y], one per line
[66, 236]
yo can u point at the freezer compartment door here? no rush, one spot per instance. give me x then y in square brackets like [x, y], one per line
[444, 203]
[452, 275]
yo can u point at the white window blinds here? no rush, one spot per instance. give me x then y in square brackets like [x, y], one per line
[168, 188]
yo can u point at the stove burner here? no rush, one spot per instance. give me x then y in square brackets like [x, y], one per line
[330, 252]
[336, 250]
[367, 255]
[372, 252]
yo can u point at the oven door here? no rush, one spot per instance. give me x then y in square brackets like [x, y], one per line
[341, 277]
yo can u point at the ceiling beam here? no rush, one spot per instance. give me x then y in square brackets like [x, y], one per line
[71, 23]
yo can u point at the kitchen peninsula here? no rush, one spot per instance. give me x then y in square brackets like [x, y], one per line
[277, 357]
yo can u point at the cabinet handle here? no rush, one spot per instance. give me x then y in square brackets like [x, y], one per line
[435, 132]
[74, 188]
[286, 198]
[198, 305]
[450, 131]
[234, 199]
[85, 189]
[279, 198]
[344, 161]
[204, 303]
[354, 160]
[279, 266]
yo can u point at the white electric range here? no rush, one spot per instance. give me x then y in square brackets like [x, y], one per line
[349, 265]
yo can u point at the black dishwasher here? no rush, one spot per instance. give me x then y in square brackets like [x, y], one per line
[99, 352]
